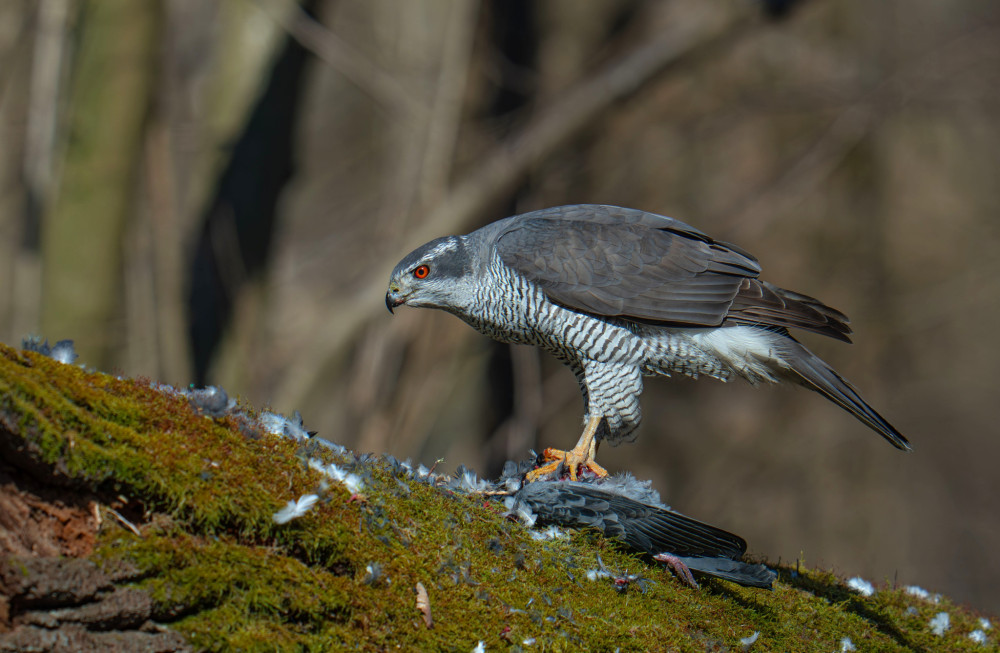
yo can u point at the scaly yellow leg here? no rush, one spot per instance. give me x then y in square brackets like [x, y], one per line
[580, 456]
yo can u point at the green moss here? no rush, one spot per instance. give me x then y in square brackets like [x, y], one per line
[224, 574]
[221, 591]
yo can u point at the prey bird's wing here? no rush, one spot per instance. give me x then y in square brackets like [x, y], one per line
[641, 526]
[612, 261]
[655, 530]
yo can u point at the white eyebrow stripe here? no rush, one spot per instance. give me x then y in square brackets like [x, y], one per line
[444, 247]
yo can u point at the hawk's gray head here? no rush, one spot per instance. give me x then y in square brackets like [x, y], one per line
[430, 276]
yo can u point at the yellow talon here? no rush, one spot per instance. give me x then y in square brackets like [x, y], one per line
[579, 457]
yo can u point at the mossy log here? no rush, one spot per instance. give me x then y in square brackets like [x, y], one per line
[163, 518]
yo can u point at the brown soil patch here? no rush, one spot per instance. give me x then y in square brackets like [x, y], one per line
[51, 597]
[34, 524]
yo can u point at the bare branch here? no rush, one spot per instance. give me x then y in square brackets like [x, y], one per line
[371, 79]
[800, 177]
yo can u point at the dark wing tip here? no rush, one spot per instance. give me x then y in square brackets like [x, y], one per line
[764, 304]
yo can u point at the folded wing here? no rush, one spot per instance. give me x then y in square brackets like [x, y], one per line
[617, 262]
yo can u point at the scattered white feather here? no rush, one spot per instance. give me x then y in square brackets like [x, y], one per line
[338, 449]
[334, 471]
[527, 517]
[550, 533]
[164, 388]
[861, 586]
[295, 429]
[287, 427]
[940, 623]
[594, 574]
[846, 645]
[480, 647]
[353, 483]
[273, 423]
[528, 641]
[984, 623]
[978, 636]
[373, 572]
[295, 509]
[521, 511]
[921, 593]
[747, 642]
[63, 352]
[470, 483]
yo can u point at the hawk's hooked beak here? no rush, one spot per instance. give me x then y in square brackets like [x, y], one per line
[392, 299]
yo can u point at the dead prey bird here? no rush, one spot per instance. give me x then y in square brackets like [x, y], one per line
[617, 294]
[625, 509]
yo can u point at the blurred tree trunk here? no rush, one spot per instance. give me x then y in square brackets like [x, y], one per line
[238, 228]
[18, 265]
[82, 233]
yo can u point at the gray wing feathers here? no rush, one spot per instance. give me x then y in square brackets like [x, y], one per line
[621, 262]
[618, 262]
[641, 526]
[760, 302]
[732, 570]
[647, 528]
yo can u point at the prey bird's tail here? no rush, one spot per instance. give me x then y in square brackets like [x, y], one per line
[811, 371]
[744, 573]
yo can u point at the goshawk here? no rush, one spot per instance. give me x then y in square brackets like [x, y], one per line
[617, 294]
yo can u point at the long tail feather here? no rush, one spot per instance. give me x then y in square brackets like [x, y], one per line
[815, 374]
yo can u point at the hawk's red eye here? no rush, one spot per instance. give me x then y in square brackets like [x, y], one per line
[421, 272]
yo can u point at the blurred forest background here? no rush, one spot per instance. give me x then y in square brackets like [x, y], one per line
[216, 192]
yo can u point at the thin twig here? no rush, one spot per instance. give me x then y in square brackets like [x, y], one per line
[753, 214]
[793, 184]
[364, 73]
[126, 523]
